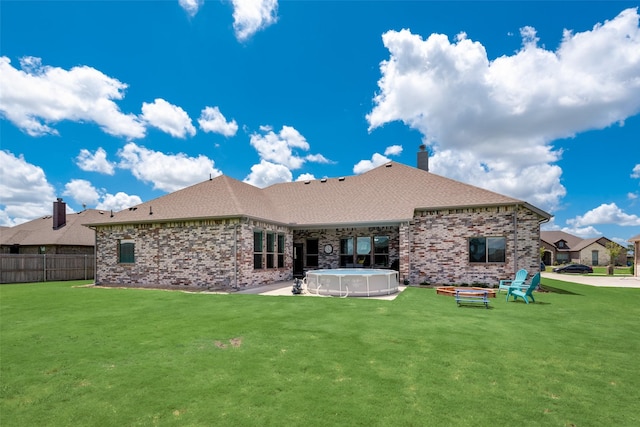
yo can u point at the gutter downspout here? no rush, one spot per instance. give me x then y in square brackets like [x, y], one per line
[95, 255]
[515, 238]
[235, 256]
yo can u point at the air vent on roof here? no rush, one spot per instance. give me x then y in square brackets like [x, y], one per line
[306, 182]
[323, 180]
[388, 165]
[341, 178]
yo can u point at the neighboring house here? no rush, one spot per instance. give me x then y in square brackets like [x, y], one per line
[564, 248]
[60, 233]
[636, 254]
[224, 233]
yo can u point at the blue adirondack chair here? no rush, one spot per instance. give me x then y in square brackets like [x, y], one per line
[521, 276]
[518, 292]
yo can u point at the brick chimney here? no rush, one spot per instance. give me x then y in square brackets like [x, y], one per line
[59, 214]
[423, 158]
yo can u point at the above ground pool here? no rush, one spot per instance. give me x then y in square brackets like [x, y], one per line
[352, 282]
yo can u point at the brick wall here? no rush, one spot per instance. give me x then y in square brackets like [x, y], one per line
[218, 254]
[332, 236]
[206, 254]
[438, 242]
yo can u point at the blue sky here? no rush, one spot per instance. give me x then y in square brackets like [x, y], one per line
[108, 104]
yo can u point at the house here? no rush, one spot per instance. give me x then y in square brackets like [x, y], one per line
[224, 233]
[53, 247]
[563, 248]
[59, 233]
[636, 254]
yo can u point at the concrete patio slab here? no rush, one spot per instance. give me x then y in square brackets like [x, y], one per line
[284, 289]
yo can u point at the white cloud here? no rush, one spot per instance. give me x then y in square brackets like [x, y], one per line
[317, 158]
[636, 171]
[117, 202]
[168, 118]
[167, 172]
[632, 196]
[498, 117]
[96, 162]
[266, 173]
[365, 165]
[306, 177]
[212, 120]
[37, 96]
[583, 232]
[605, 214]
[26, 193]
[251, 16]
[191, 6]
[279, 147]
[393, 150]
[82, 192]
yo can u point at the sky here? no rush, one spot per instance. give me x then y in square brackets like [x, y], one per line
[108, 104]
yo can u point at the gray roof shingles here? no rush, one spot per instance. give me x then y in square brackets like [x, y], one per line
[40, 230]
[387, 194]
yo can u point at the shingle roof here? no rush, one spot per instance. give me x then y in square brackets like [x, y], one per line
[40, 231]
[553, 237]
[387, 194]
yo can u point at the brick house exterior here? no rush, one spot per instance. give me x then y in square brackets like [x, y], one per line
[226, 234]
[57, 234]
[636, 254]
[564, 248]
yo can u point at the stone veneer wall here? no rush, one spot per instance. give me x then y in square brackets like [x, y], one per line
[438, 242]
[209, 254]
[332, 237]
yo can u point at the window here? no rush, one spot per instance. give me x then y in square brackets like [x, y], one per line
[280, 250]
[487, 249]
[126, 252]
[312, 252]
[346, 251]
[257, 249]
[271, 249]
[364, 251]
[381, 250]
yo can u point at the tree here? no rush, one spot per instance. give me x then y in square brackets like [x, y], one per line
[614, 250]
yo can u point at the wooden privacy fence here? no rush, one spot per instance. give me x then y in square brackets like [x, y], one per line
[23, 268]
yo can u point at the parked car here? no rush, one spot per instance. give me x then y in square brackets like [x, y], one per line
[574, 268]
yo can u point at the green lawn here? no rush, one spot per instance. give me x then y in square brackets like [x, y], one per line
[617, 271]
[74, 356]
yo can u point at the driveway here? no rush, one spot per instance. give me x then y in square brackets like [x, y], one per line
[604, 281]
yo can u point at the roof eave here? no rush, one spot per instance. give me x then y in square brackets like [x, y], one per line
[315, 226]
[532, 208]
[165, 220]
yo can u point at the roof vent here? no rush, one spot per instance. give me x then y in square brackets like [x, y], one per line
[306, 182]
[341, 178]
[388, 165]
[323, 180]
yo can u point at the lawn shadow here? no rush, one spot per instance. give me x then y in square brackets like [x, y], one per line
[476, 306]
[547, 288]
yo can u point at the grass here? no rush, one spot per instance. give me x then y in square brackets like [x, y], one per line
[112, 357]
[617, 271]
[600, 271]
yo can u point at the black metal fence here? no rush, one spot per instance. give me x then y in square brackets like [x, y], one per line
[23, 268]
